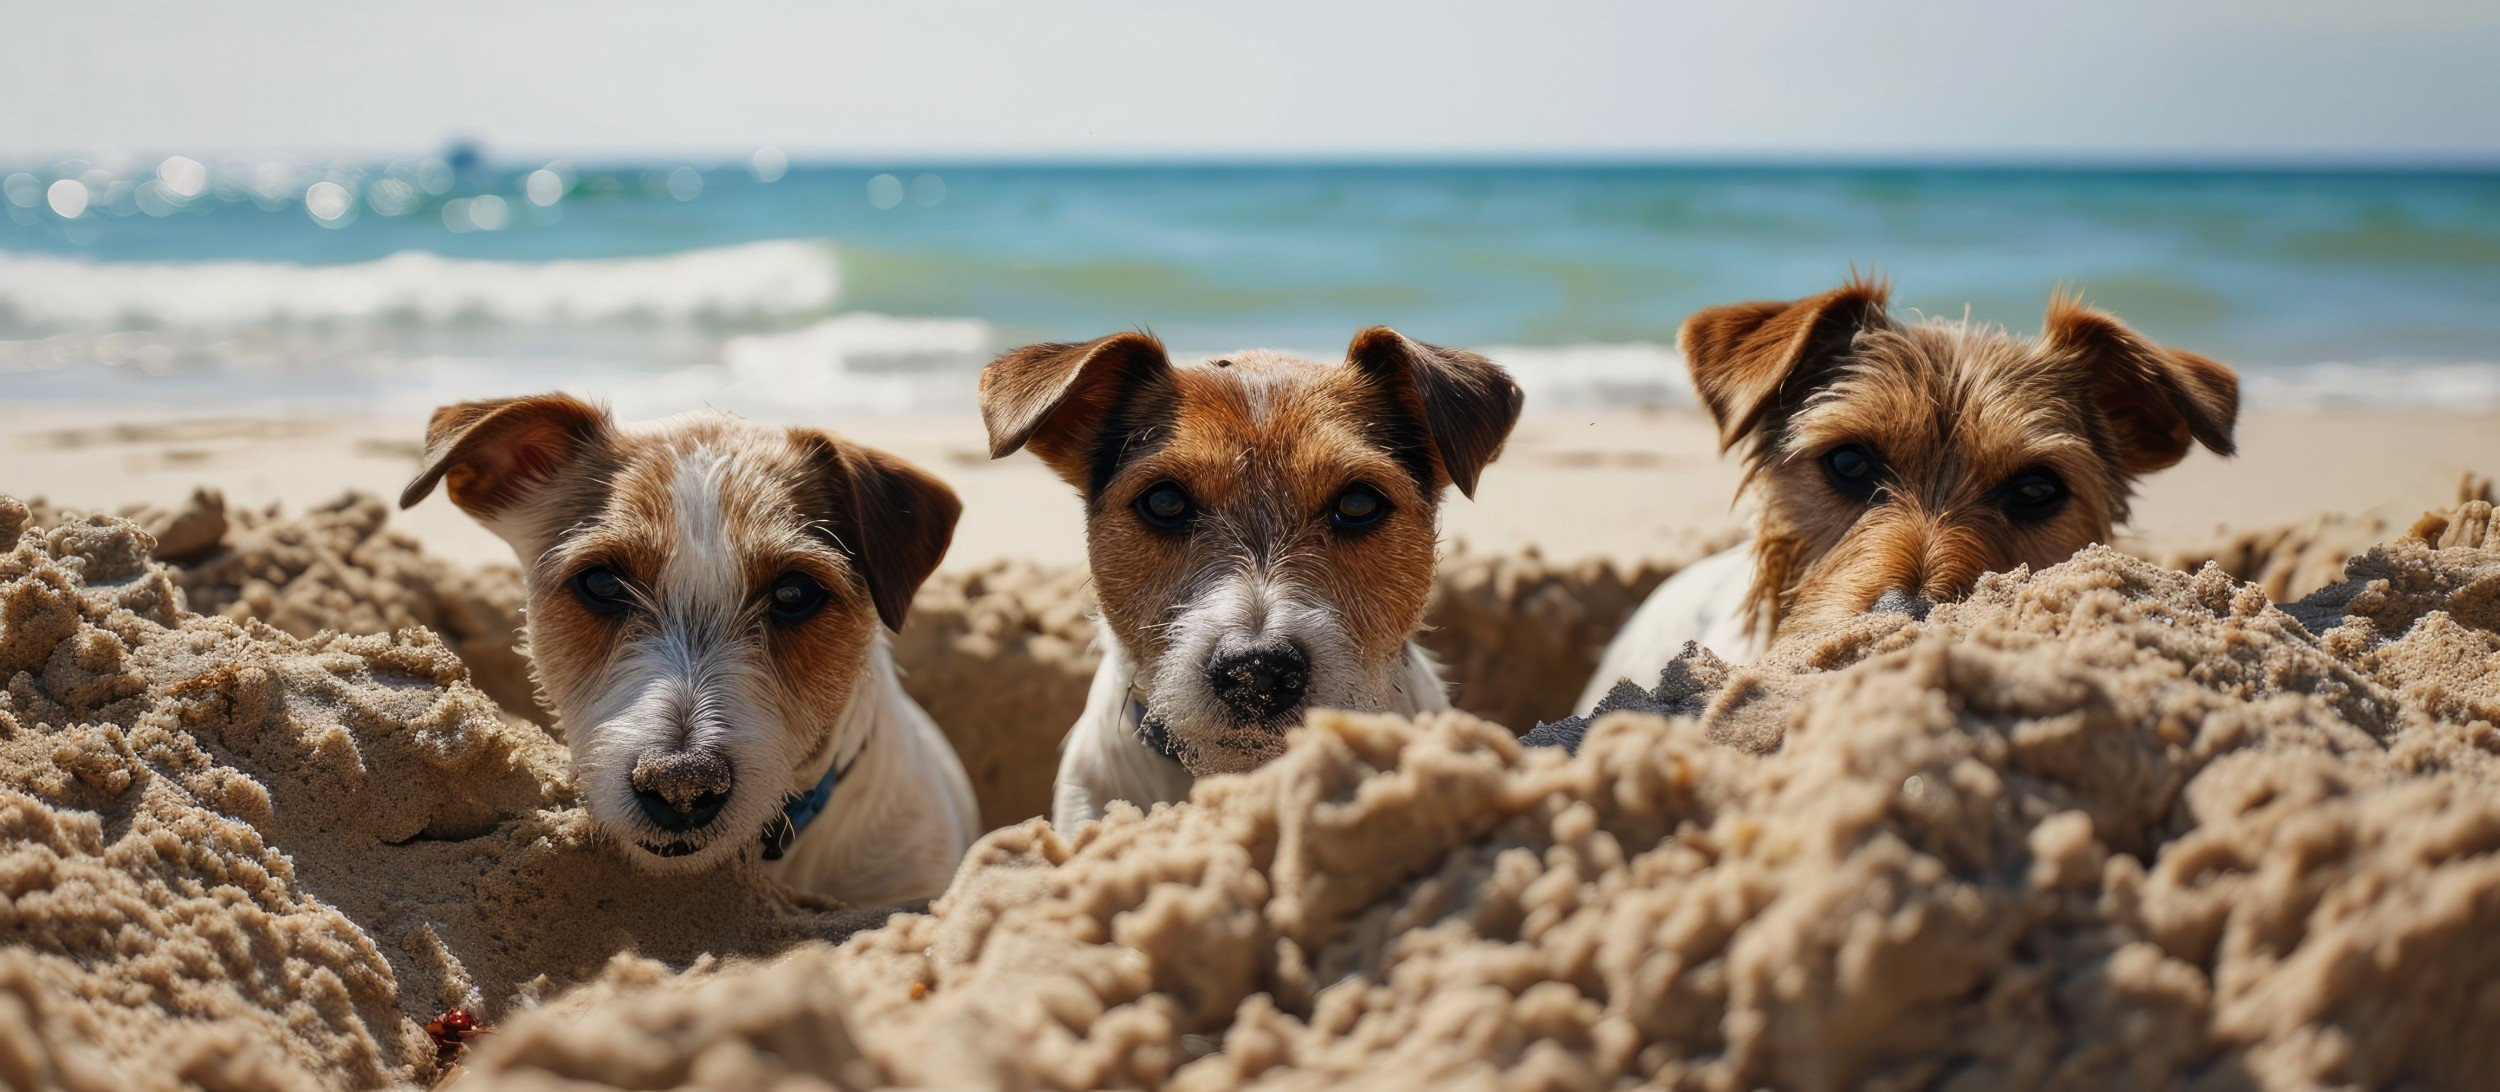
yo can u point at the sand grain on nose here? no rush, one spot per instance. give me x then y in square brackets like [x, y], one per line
[683, 777]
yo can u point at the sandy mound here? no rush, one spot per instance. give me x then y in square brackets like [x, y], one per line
[1517, 635]
[2102, 825]
[2295, 559]
[239, 858]
[1000, 657]
[2106, 823]
[339, 568]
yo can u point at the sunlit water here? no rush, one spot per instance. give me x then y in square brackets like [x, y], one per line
[879, 290]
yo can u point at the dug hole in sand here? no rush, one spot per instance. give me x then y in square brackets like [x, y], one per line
[2104, 824]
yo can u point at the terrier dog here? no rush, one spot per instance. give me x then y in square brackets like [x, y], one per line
[705, 597]
[1263, 534]
[1892, 464]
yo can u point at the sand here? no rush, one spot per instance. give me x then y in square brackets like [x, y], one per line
[1000, 655]
[2108, 823]
[2103, 825]
[339, 567]
[239, 858]
[1616, 484]
[995, 655]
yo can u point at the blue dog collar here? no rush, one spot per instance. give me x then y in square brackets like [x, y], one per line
[803, 808]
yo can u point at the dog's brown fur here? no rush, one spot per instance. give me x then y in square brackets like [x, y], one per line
[1265, 445]
[572, 491]
[793, 499]
[1955, 413]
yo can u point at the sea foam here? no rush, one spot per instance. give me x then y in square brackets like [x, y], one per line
[754, 280]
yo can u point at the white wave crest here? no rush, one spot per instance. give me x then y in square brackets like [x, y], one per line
[855, 342]
[861, 363]
[2465, 386]
[1596, 374]
[754, 280]
[856, 364]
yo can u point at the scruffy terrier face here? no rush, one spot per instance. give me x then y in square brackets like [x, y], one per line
[1262, 530]
[703, 593]
[1893, 464]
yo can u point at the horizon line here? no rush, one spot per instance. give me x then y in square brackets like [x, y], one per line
[2372, 161]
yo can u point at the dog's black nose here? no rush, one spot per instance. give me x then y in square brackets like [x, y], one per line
[682, 790]
[1897, 601]
[1261, 682]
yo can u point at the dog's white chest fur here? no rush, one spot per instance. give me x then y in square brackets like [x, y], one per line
[1103, 760]
[903, 814]
[1705, 602]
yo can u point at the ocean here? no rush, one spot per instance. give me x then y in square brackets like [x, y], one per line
[827, 290]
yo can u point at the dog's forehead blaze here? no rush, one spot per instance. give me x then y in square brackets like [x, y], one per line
[1261, 424]
[1263, 443]
[709, 505]
[706, 512]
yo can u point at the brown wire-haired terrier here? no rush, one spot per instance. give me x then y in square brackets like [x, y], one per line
[1262, 533]
[1891, 464]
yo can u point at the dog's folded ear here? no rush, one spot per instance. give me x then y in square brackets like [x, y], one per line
[492, 455]
[1058, 397]
[1466, 403]
[894, 520]
[2157, 399]
[1748, 358]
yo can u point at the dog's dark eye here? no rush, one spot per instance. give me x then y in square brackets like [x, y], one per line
[1359, 507]
[1853, 471]
[794, 598]
[602, 591]
[1167, 506]
[2034, 494]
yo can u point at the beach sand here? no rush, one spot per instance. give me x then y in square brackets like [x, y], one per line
[2106, 823]
[1579, 520]
[1613, 484]
[2111, 822]
[2102, 826]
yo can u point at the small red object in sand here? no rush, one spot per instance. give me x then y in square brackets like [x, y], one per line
[451, 1033]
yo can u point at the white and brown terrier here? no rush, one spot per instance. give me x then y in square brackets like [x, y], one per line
[705, 597]
[1891, 464]
[1262, 531]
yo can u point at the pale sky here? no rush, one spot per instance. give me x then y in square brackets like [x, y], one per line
[2137, 79]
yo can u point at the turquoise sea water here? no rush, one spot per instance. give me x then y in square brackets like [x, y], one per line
[879, 288]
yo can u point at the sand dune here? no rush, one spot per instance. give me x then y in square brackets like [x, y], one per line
[2106, 823]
